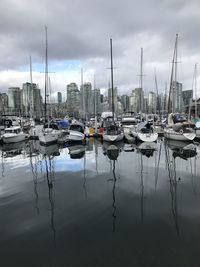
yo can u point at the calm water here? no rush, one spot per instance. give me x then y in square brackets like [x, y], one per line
[100, 205]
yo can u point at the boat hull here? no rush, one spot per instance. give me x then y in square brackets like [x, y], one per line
[113, 138]
[75, 136]
[48, 138]
[171, 134]
[147, 137]
[13, 138]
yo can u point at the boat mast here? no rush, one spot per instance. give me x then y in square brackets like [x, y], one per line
[46, 77]
[112, 87]
[31, 96]
[172, 89]
[141, 78]
[95, 104]
[158, 99]
[195, 89]
[83, 93]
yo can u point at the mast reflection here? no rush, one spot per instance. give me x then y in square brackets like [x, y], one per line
[49, 153]
[182, 151]
[112, 151]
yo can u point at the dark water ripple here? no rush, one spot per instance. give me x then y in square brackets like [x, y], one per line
[100, 205]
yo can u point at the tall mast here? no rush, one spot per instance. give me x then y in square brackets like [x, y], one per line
[83, 92]
[173, 78]
[95, 104]
[141, 77]
[112, 87]
[158, 99]
[31, 98]
[46, 76]
[195, 89]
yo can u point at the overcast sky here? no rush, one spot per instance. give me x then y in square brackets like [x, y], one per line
[78, 36]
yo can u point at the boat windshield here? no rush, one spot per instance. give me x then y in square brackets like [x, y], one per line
[179, 118]
[76, 127]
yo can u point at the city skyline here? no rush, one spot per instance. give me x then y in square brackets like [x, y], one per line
[81, 40]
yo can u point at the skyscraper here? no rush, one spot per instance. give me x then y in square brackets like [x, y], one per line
[73, 100]
[14, 99]
[59, 97]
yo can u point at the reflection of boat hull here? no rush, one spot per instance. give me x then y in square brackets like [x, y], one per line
[77, 151]
[147, 145]
[13, 149]
[51, 150]
[113, 138]
[169, 133]
[182, 149]
[147, 148]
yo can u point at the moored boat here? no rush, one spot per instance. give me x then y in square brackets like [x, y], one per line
[13, 134]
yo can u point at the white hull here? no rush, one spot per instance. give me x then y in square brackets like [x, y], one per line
[171, 134]
[48, 138]
[113, 138]
[147, 137]
[13, 138]
[75, 136]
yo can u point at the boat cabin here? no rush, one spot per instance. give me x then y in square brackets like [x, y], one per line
[15, 130]
[79, 127]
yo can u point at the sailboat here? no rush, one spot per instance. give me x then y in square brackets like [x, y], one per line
[144, 131]
[48, 135]
[178, 128]
[113, 132]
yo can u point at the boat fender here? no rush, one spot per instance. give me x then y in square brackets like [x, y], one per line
[181, 131]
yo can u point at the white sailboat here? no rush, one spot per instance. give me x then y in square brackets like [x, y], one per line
[113, 132]
[48, 135]
[145, 132]
[177, 128]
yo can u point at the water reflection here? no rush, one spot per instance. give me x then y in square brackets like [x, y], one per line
[13, 149]
[112, 151]
[182, 149]
[76, 151]
[49, 152]
[34, 162]
[146, 148]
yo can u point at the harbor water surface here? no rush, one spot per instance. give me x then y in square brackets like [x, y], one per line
[100, 205]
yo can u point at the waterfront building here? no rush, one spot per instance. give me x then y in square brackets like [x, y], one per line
[176, 97]
[73, 100]
[87, 104]
[137, 100]
[96, 99]
[187, 99]
[151, 103]
[59, 97]
[125, 103]
[3, 103]
[31, 100]
[14, 100]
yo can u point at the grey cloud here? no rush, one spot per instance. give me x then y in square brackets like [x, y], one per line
[80, 30]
